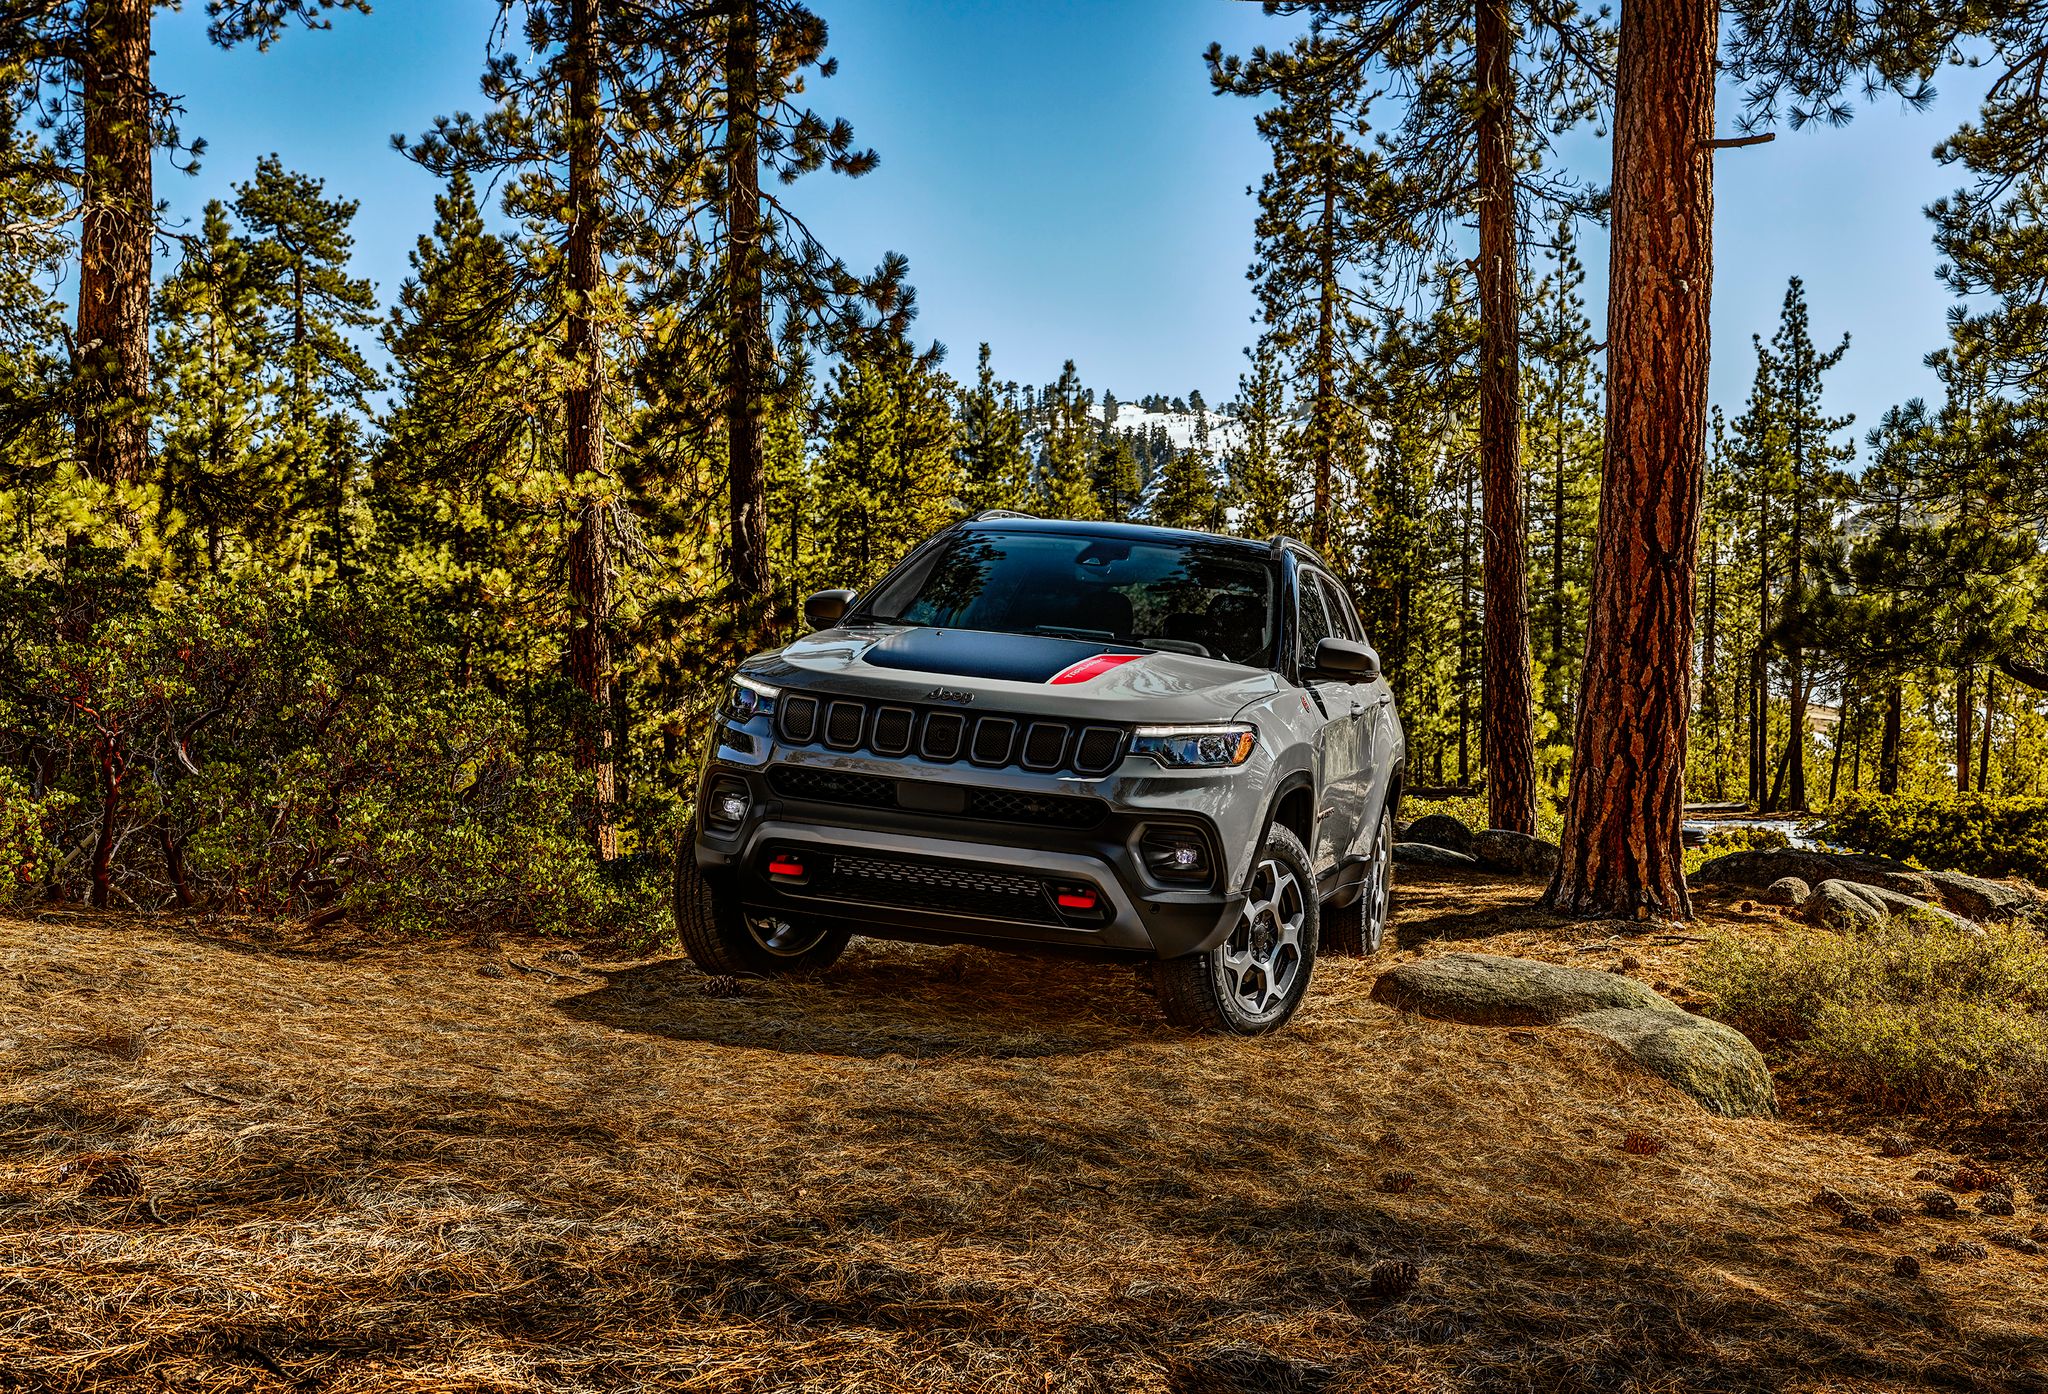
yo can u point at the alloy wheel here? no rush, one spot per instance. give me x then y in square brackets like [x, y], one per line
[1264, 955]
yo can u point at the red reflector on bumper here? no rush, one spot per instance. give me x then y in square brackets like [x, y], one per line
[785, 866]
[1076, 900]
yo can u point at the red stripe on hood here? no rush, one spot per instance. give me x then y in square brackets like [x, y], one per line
[1091, 667]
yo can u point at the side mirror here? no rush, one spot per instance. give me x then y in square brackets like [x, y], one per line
[827, 608]
[1347, 658]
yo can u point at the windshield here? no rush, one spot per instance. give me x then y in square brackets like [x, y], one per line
[1183, 597]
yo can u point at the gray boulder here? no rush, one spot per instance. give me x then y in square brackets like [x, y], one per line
[1714, 1063]
[1428, 854]
[1845, 905]
[1757, 869]
[1787, 890]
[1441, 830]
[1491, 990]
[1982, 900]
[1517, 853]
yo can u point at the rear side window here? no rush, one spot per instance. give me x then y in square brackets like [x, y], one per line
[1314, 617]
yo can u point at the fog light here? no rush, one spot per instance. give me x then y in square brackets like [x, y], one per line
[726, 806]
[1185, 856]
[1177, 854]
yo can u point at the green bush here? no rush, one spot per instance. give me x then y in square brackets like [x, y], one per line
[27, 851]
[1471, 810]
[1921, 1014]
[1722, 841]
[1982, 834]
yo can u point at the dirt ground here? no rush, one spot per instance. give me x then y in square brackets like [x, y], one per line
[372, 1168]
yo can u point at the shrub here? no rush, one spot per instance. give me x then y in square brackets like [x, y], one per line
[1471, 810]
[27, 850]
[1722, 841]
[1983, 834]
[1920, 1014]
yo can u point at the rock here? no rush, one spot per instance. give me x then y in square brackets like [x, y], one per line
[1848, 905]
[1978, 899]
[1714, 1063]
[1497, 849]
[1429, 854]
[1835, 905]
[1758, 868]
[1491, 990]
[1441, 830]
[1787, 890]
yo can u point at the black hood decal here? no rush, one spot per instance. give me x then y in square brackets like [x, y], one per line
[975, 653]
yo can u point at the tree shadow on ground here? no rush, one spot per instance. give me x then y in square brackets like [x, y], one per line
[889, 999]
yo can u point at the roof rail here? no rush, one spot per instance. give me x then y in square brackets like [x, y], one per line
[1280, 542]
[998, 513]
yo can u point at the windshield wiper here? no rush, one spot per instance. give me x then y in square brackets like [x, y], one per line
[1063, 631]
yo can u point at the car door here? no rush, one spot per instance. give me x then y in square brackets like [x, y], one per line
[1372, 706]
[1336, 741]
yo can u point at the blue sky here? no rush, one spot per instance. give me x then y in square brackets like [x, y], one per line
[1065, 185]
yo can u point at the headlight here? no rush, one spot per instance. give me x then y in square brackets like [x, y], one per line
[748, 697]
[1196, 747]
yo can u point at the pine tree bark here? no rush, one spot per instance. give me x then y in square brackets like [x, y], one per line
[1621, 852]
[748, 361]
[1966, 708]
[116, 230]
[1984, 743]
[1506, 690]
[1888, 742]
[1324, 408]
[590, 573]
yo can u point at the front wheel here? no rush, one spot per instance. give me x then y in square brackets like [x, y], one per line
[1256, 978]
[722, 936]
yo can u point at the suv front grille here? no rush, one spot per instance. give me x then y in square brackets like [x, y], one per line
[992, 741]
[1075, 812]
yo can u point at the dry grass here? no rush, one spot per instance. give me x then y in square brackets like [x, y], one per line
[376, 1169]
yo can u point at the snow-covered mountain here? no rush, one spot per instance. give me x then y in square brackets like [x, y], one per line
[1224, 432]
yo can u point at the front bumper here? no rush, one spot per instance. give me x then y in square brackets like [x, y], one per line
[940, 876]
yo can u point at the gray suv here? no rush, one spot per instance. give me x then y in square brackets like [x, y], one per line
[1138, 743]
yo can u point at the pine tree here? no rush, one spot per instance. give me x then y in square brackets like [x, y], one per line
[1186, 496]
[87, 77]
[1264, 488]
[1116, 482]
[995, 468]
[887, 477]
[1066, 456]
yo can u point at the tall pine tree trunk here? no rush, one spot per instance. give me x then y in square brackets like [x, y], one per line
[1966, 708]
[1324, 408]
[116, 231]
[1984, 744]
[1888, 742]
[1795, 661]
[1465, 637]
[1841, 734]
[1506, 694]
[1622, 851]
[748, 362]
[590, 584]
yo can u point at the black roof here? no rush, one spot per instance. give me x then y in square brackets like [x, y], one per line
[1136, 532]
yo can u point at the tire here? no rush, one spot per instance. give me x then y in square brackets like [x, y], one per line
[1255, 980]
[721, 938]
[1357, 928]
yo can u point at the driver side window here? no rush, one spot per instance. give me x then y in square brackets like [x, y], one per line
[1314, 624]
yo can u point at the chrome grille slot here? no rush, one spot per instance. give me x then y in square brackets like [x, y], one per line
[1098, 748]
[893, 726]
[993, 736]
[1045, 744]
[843, 723]
[799, 718]
[943, 734]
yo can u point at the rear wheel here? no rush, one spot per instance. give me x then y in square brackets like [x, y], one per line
[1359, 927]
[722, 936]
[1256, 978]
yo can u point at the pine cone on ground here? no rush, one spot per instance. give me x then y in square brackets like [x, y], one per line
[1906, 1266]
[1391, 1278]
[1959, 1250]
[1398, 1183]
[1895, 1145]
[1888, 1215]
[1642, 1144]
[1995, 1203]
[104, 1174]
[1828, 1198]
[1940, 1204]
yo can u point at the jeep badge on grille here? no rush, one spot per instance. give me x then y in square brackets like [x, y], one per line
[949, 694]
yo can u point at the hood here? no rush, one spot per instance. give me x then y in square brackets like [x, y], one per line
[1027, 673]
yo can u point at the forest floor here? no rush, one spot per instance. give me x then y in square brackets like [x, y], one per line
[371, 1167]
